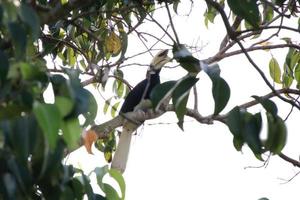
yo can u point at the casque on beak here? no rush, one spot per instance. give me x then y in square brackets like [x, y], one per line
[159, 60]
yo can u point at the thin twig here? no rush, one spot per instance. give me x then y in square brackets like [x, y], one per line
[171, 22]
[294, 162]
[161, 27]
[195, 97]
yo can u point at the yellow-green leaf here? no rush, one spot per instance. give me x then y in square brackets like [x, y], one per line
[275, 71]
[113, 43]
[49, 119]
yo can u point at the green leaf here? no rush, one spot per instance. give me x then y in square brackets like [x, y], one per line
[29, 16]
[118, 85]
[277, 134]
[221, 94]
[71, 56]
[159, 92]
[120, 180]
[290, 61]
[71, 132]
[279, 2]
[210, 14]
[49, 120]
[32, 72]
[234, 122]
[106, 105]
[287, 80]
[77, 188]
[268, 105]
[63, 2]
[175, 5]
[91, 114]
[19, 39]
[114, 109]
[213, 71]
[64, 105]
[297, 73]
[9, 185]
[247, 10]
[100, 173]
[251, 132]
[220, 88]
[238, 143]
[110, 192]
[4, 66]
[274, 70]
[186, 59]
[268, 13]
[180, 97]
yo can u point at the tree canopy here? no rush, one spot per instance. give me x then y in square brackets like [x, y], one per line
[65, 46]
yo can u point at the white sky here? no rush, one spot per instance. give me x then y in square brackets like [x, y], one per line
[201, 162]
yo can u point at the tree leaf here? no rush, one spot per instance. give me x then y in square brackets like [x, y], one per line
[287, 79]
[71, 57]
[297, 73]
[92, 111]
[180, 97]
[221, 94]
[49, 120]
[268, 105]
[268, 13]
[234, 122]
[64, 105]
[251, 132]
[279, 2]
[247, 10]
[120, 180]
[277, 134]
[238, 143]
[110, 192]
[274, 70]
[71, 132]
[106, 105]
[220, 88]
[113, 43]
[213, 71]
[186, 59]
[4, 66]
[114, 109]
[159, 92]
[19, 39]
[29, 16]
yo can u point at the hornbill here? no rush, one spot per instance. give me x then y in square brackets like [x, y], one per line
[140, 92]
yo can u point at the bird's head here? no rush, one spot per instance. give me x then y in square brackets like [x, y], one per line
[159, 60]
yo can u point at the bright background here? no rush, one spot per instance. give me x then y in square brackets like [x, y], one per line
[201, 162]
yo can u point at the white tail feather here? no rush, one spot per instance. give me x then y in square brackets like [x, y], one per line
[121, 155]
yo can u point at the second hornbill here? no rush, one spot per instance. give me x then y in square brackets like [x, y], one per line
[140, 92]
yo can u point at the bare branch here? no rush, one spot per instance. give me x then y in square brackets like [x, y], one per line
[171, 22]
[219, 56]
[296, 163]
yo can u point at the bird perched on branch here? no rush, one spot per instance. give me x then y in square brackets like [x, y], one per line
[139, 93]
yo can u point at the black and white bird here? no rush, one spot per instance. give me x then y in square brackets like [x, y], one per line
[140, 92]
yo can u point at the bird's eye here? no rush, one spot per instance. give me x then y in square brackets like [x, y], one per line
[163, 53]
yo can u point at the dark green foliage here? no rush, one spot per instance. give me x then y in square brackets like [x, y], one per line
[220, 88]
[35, 135]
[247, 10]
[246, 128]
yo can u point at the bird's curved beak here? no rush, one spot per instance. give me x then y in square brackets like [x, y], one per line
[159, 60]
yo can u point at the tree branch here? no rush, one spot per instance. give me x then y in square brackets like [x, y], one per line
[171, 22]
[60, 11]
[296, 163]
[220, 56]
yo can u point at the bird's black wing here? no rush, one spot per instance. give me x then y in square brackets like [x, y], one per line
[134, 97]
